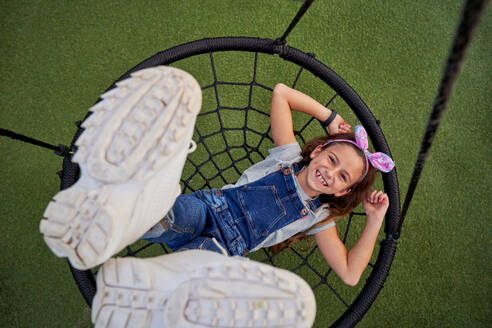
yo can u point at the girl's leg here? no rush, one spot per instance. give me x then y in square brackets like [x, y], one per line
[183, 223]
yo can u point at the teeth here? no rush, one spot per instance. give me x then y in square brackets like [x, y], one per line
[321, 179]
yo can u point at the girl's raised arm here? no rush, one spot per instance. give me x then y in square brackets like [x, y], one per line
[285, 99]
[349, 265]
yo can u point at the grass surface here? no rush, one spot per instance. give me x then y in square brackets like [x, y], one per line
[57, 57]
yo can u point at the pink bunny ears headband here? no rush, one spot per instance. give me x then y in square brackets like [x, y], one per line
[379, 160]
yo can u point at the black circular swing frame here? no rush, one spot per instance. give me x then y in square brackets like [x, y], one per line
[374, 283]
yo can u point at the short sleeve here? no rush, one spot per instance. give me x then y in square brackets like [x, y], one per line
[327, 226]
[288, 152]
[278, 156]
[321, 215]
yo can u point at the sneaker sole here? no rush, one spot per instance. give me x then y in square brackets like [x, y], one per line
[127, 297]
[132, 132]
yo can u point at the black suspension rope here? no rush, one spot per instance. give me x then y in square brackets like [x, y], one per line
[60, 150]
[464, 34]
[282, 40]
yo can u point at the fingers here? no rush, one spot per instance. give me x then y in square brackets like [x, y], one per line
[339, 125]
[377, 197]
[344, 127]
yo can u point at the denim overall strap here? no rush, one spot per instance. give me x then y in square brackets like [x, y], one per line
[257, 209]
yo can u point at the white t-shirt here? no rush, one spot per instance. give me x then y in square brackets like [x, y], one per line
[282, 156]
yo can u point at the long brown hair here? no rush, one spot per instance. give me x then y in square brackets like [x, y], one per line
[338, 206]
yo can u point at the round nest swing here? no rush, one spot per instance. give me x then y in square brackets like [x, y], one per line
[230, 138]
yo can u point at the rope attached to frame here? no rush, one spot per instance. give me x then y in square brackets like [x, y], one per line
[60, 150]
[464, 34]
[305, 6]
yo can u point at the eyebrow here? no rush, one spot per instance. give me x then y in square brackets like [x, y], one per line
[345, 171]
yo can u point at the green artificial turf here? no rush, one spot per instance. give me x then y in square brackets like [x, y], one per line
[57, 57]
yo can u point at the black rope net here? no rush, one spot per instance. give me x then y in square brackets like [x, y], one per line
[232, 132]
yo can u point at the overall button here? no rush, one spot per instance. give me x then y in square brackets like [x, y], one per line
[244, 252]
[217, 192]
[287, 171]
[304, 211]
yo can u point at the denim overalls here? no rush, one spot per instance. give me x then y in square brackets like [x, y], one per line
[238, 218]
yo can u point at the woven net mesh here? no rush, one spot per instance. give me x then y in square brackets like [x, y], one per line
[233, 132]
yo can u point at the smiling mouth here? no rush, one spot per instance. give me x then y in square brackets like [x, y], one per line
[321, 179]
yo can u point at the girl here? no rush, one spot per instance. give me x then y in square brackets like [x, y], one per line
[290, 195]
[131, 155]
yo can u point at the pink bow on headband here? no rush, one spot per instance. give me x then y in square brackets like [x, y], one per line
[379, 160]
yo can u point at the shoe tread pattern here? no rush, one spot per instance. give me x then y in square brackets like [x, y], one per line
[125, 290]
[286, 309]
[71, 229]
[137, 125]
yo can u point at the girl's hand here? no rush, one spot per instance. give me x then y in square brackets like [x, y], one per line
[338, 125]
[375, 204]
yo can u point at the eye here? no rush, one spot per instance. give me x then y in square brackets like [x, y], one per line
[344, 178]
[332, 159]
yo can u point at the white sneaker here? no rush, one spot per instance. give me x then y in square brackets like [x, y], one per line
[198, 288]
[131, 155]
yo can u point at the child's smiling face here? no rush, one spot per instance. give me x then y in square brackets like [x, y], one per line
[332, 171]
